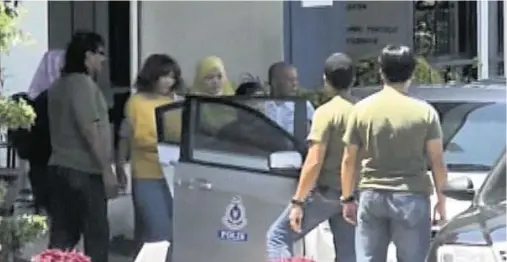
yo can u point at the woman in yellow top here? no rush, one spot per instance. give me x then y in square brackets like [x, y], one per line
[159, 77]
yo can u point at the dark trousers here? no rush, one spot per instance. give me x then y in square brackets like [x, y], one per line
[78, 206]
[38, 176]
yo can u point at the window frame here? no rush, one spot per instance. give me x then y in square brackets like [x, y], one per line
[190, 111]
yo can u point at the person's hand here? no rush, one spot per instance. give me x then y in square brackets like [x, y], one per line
[296, 218]
[439, 210]
[121, 175]
[349, 212]
[110, 181]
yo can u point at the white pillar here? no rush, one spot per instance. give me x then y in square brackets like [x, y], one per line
[504, 37]
[134, 39]
[483, 38]
[493, 38]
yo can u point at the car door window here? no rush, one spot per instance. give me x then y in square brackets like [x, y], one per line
[169, 123]
[236, 134]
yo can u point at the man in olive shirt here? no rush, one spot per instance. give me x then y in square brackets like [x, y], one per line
[395, 134]
[321, 167]
[81, 177]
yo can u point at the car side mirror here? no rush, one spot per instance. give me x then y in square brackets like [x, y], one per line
[461, 188]
[285, 160]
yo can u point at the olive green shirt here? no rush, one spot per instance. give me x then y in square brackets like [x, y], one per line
[75, 101]
[328, 127]
[392, 129]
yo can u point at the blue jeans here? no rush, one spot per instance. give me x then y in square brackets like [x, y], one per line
[401, 217]
[153, 205]
[320, 206]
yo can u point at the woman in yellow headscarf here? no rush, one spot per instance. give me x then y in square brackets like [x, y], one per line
[211, 80]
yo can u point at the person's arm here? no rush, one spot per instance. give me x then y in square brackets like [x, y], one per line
[84, 107]
[435, 153]
[352, 142]
[318, 139]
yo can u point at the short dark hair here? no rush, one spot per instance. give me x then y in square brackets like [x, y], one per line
[248, 88]
[339, 71]
[75, 54]
[154, 67]
[397, 63]
[274, 68]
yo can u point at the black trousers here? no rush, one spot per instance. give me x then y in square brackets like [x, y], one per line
[78, 206]
[38, 176]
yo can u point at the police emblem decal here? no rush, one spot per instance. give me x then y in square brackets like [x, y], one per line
[234, 220]
[235, 216]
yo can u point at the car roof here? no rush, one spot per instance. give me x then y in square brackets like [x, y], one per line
[473, 92]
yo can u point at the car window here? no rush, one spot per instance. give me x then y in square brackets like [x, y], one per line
[494, 189]
[474, 134]
[169, 121]
[235, 134]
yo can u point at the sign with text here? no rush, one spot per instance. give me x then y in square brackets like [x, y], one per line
[316, 3]
[371, 25]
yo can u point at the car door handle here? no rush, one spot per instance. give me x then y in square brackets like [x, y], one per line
[195, 183]
[168, 164]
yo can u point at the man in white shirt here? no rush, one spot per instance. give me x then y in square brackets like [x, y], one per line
[283, 81]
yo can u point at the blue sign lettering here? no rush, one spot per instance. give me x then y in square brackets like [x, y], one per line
[232, 235]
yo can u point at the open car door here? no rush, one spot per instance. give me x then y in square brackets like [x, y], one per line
[236, 172]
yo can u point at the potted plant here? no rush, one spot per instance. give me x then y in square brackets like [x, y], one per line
[17, 231]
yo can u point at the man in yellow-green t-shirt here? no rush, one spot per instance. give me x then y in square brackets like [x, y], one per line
[395, 134]
[320, 172]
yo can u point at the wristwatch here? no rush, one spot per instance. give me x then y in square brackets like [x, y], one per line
[348, 199]
[297, 202]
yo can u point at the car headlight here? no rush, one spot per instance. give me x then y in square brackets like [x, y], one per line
[456, 253]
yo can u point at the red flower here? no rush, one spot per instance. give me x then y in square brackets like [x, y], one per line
[56, 255]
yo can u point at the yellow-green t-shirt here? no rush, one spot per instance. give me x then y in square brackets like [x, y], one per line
[328, 127]
[392, 129]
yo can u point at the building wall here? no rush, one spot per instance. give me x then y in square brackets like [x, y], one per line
[65, 17]
[248, 36]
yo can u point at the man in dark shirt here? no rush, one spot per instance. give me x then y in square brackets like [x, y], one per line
[396, 133]
[40, 153]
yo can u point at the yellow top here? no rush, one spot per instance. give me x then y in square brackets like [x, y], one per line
[140, 113]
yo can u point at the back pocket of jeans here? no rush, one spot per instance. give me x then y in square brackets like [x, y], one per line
[409, 209]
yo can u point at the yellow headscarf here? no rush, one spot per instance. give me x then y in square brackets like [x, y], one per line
[203, 68]
[213, 117]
